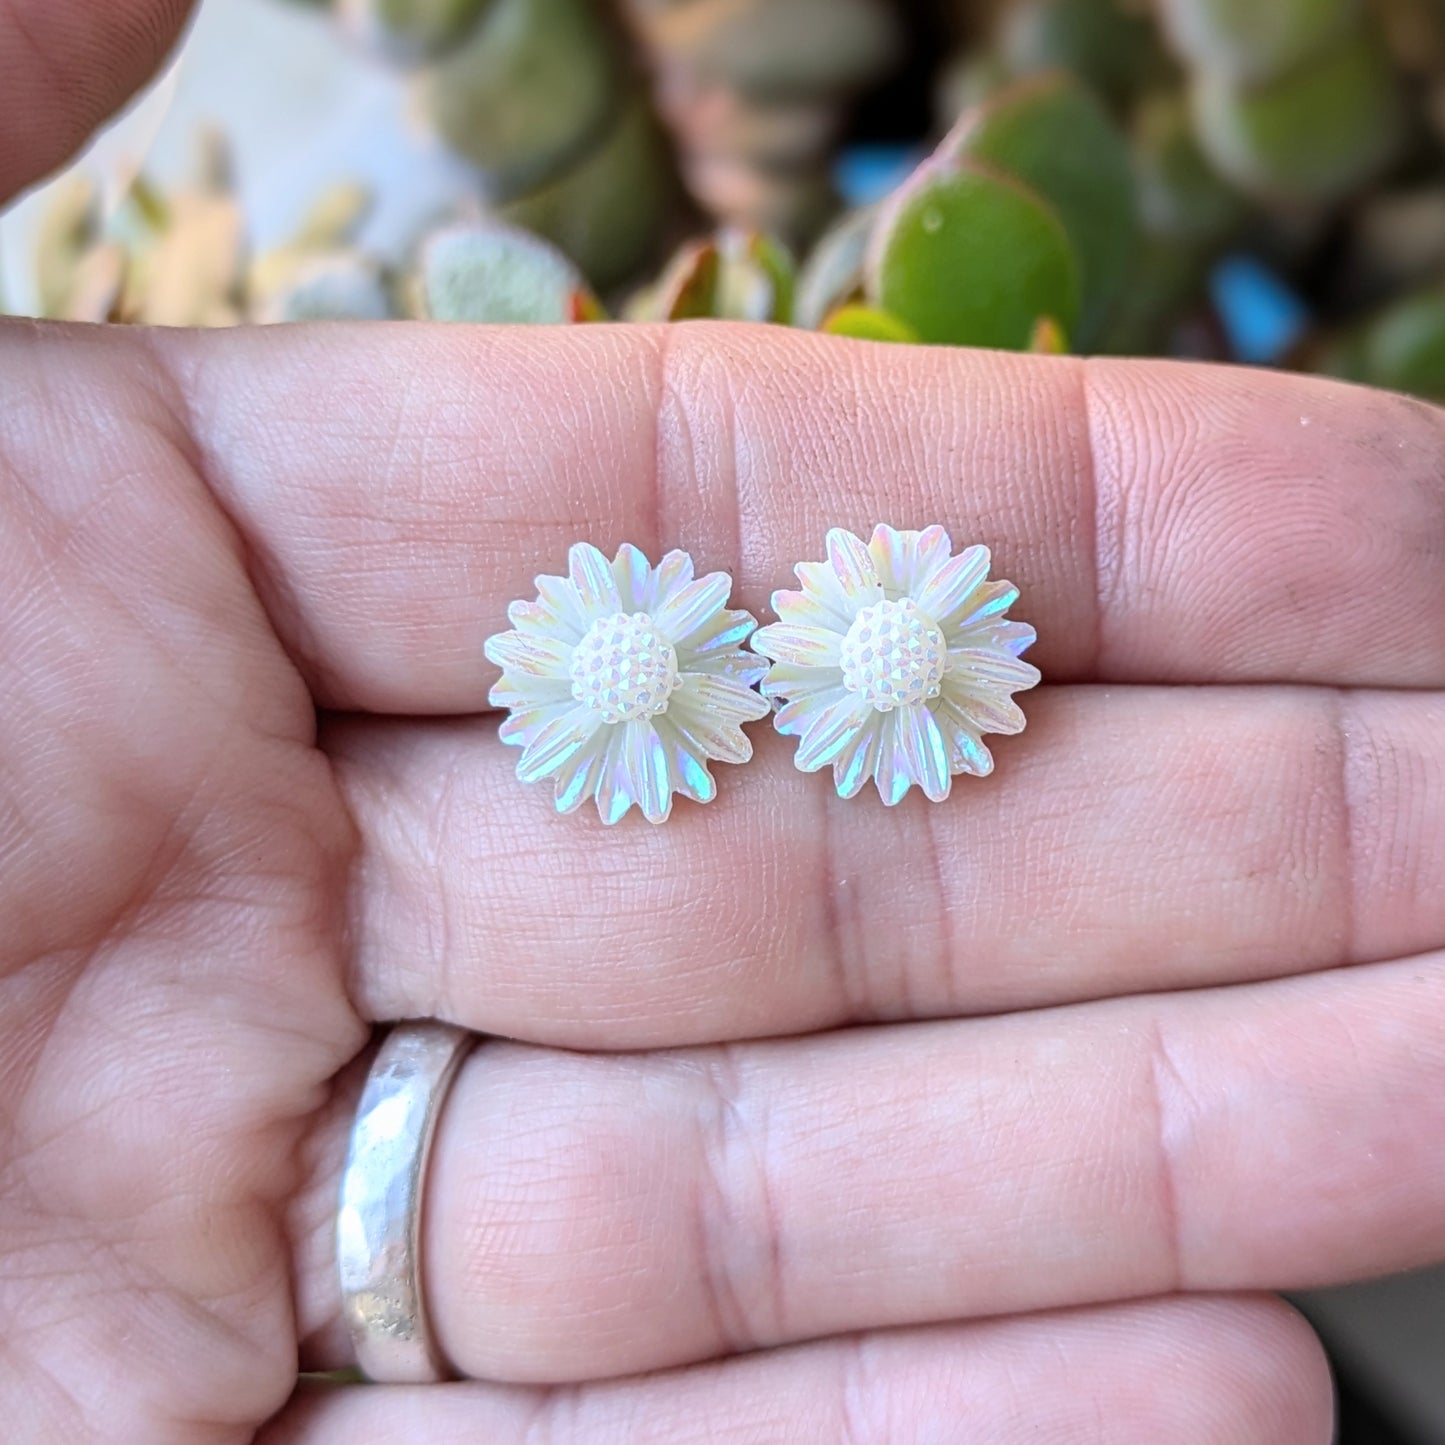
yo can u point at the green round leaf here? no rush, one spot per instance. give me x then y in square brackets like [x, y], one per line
[869, 323]
[1053, 135]
[1405, 349]
[1315, 136]
[1100, 41]
[607, 211]
[412, 30]
[969, 258]
[1253, 40]
[527, 93]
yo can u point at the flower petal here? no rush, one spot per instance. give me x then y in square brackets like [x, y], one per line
[891, 771]
[990, 601]
[949, 590]
[556, 743]
[906, 560]
[802, 646]
[829, 731]
[924, 750]
[692, 607]
[853, 567]
[701, 730]
[973, 669]
[796, 718]
[989, 712]
[561, 598]
[731, 702]
[966, 752]
[591, 574]
[855, 764]
[689, 772]
[614, 780]
[648, 775]
[577, 779]
[529, 654]
[519, 691]
[1011, 637]
[725, 633]
[674, 571]
[788, 680]
[635, 579]
[523, 724]
[746, 668]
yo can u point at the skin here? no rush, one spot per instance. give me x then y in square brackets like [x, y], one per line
[986, 1121]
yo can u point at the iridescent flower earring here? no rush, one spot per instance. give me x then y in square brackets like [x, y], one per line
[894, 660]
[625, 680]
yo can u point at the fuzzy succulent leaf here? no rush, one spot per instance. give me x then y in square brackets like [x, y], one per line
[1313, 136]
[968, 257]
[1054, 136]
[494, 273]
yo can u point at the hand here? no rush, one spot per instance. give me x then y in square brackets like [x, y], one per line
[1106, 1068]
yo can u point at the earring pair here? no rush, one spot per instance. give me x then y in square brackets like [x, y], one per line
[895, 657]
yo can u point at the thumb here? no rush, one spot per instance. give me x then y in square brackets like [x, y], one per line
[65, 65]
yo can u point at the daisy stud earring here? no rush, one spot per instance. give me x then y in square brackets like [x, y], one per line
[625, 680]
[894, 660]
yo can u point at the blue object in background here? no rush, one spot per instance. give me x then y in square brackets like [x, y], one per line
[1262, 317]
[866, 173]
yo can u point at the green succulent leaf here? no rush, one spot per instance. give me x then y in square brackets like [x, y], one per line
[967, 257]
[1180, 194]
[412, 30]
[1103, 42]
[1246, 41]
[493, 273]
[1404, 348]
[1054, 136]
[527, 93]
[833, 274]
[1315, 135]
[869, 323]
[607, 211]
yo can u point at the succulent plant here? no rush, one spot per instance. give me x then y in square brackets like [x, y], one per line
[756, 92]
[1114, 162]
[540, 97]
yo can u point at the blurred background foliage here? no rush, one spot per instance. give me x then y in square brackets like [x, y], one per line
[1255, 180]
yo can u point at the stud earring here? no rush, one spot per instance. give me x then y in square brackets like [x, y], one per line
[625, 680]
[894, 660]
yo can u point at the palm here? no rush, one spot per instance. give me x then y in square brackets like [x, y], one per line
[204, 540]
[175, 855]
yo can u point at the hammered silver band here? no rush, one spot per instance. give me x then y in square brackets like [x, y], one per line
[379, 1222]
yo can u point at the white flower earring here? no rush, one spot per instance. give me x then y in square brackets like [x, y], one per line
[625, 680]
[894, 660]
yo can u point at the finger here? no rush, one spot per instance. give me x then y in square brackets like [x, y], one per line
[65, 65]
[595, 1215]
[1166, 523]
[1137, 840]
[1210, 1371]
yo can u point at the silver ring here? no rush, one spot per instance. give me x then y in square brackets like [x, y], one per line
[379, 1222]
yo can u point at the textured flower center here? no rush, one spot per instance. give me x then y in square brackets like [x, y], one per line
[624, 668]
[893, 656]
